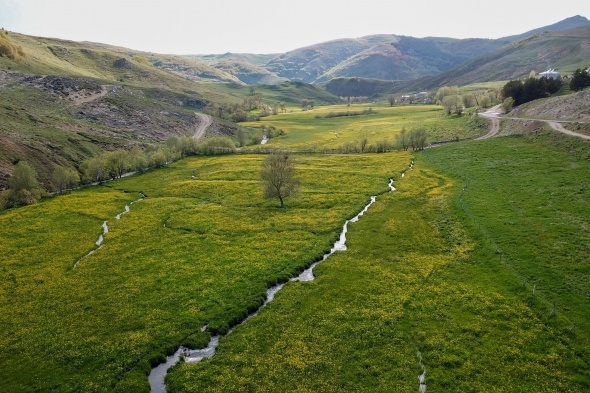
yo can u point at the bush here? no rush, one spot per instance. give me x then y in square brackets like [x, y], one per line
[25, 189]
[8, 49]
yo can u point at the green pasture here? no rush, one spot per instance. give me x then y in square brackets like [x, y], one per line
[417, 276]
[312, 130]
[531, 201]
[200, 248]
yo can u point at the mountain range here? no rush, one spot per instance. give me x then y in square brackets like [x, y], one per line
[399, 58]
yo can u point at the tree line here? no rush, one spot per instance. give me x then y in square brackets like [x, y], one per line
[518, 92]
[24, 187]
[454, 101]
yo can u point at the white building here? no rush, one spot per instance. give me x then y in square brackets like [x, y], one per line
[550, 74]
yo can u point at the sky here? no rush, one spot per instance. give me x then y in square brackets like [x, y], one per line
[272, 26]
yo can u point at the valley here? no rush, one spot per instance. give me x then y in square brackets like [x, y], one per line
[425, 247]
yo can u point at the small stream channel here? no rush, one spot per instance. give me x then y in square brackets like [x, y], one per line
[105, 230]
[158, 374]
[422, 376]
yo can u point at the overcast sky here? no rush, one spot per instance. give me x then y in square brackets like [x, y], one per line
[272, 26]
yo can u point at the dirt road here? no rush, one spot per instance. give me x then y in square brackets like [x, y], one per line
[558, 127]
[204, 123]
[493, 114]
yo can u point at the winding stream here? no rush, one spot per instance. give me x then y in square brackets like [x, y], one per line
[158, 374]
[105, 230]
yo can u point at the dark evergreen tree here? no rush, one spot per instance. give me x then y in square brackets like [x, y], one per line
[580, 80]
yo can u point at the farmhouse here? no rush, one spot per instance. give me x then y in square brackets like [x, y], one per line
[550, 74]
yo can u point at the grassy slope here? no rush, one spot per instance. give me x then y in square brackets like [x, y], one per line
[194, 252]
[290, 92]
[47, 130]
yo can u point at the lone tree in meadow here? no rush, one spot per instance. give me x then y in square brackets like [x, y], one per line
[278, 177]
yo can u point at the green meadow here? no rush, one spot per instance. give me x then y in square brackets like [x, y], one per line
[420, 274]
[200, 248]
[326, 127]
[477, 262]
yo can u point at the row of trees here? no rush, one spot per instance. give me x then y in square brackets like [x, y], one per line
[114, 164]
[24, 187]
[530, 89]
[453, 101]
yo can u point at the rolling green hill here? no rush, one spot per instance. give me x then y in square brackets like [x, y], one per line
[62, 102]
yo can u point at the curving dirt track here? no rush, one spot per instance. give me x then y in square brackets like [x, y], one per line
[204, 123]
[493, 115]
[558, 127]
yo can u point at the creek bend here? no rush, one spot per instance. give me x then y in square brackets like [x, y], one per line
[157, 376]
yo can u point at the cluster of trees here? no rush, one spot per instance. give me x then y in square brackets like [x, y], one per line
[307, 104]
[519, 92]
[416, 139]
[453, 101]
[580, 79]
[240, 112]
[24, 187]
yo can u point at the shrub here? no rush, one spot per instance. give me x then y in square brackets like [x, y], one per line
[8, 49]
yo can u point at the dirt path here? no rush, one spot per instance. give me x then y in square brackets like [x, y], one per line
[204, 123]
[558, 127]
[93, 97]
[493, 115]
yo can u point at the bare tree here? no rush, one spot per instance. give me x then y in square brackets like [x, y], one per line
[391, 99]
[403, 139]
[278, 177]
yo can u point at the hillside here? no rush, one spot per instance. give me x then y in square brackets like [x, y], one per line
[384, 56]
[378, 56]
[62, 102]
[562, 50]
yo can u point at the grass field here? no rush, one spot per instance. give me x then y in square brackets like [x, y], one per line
[417, 276]
[195, 251]
[438, 266]
[313, 131]
[532, 202]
